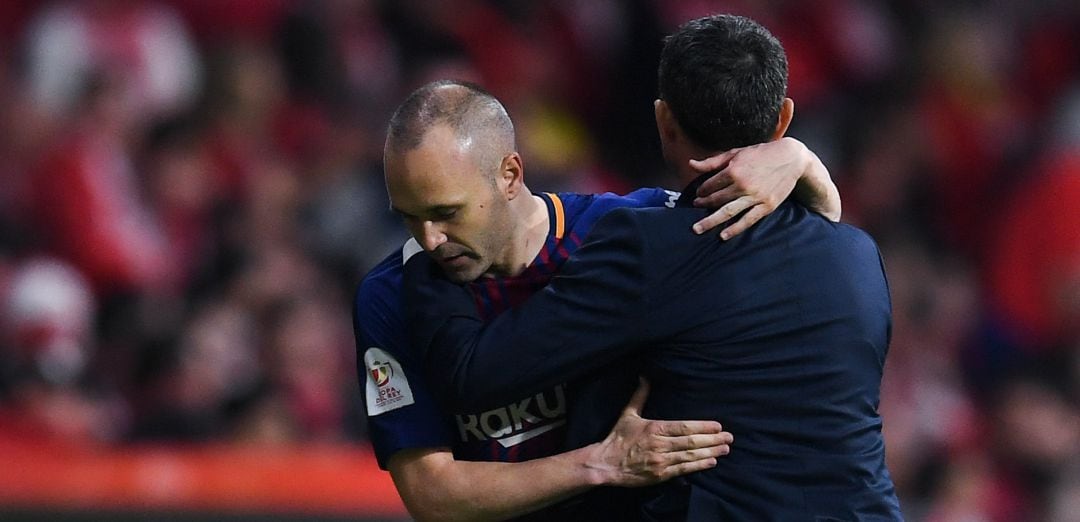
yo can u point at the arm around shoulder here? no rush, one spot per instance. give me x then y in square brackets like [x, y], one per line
[815, 187]
[590, 313]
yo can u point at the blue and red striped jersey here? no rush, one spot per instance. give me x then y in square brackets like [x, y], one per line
[403, 413]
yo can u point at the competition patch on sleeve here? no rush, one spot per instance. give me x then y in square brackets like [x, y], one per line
[387, 388]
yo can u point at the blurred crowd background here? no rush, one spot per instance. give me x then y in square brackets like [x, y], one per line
[191, 189]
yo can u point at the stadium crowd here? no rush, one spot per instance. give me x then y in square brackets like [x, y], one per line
[190, 191]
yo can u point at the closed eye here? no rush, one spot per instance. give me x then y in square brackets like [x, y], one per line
[432, 214]
[444, 215]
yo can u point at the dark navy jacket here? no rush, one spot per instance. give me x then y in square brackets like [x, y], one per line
[780, 334]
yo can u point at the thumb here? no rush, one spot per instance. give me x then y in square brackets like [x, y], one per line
[637, 401]
[713, 163]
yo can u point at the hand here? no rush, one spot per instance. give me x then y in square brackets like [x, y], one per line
[754, 180]
[640, 452]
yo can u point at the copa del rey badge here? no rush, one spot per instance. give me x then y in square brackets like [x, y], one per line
[382, 373]
[387, 388]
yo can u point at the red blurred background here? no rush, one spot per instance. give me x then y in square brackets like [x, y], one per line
[191, 189]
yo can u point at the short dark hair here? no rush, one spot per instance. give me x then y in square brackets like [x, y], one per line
[724, 78]
[465, 107]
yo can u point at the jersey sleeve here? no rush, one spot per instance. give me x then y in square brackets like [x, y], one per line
[597, 205]
[401, 411]
[591, 313]
[652, 197]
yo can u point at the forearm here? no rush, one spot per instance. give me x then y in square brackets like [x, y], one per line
[590, 314]
[437, 487]
[636, 452]
[476, 367]
[815, 187]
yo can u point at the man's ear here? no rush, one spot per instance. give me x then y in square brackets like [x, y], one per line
[787, 111]
[665, 124]
[512, 175]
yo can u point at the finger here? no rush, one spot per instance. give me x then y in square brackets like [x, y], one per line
[724, 214]
[665, 460]
[710, 222]
[698, 440]
[691, 442]
[685, 428]
[687, 467]
[637, 401]
[738, 205]
[746, 221]
[716, 182]
[697, 454]
[718, 198]
[716, 162]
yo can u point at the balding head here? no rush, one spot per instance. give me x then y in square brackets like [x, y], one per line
[453, 175]
[476, 118]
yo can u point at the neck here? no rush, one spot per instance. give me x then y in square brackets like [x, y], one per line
[681, 156]
[527, 238]
[683, 171]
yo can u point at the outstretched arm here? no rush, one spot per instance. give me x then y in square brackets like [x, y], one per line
[637, 452]
[753, 181]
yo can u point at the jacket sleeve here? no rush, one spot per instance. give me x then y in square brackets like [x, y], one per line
[592, 312]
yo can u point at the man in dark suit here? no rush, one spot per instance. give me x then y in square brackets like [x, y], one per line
[780, 333]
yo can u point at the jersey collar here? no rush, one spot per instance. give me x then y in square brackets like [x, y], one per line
[686, 199]
[556, 215]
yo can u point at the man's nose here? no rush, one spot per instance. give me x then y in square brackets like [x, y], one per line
[432, 236]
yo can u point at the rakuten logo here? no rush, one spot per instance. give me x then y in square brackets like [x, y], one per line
[517, 422]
